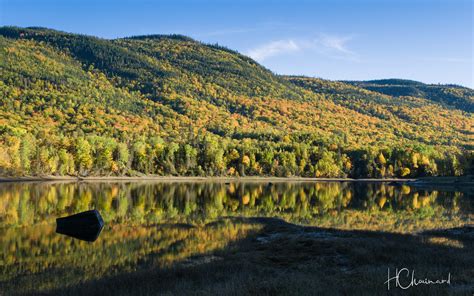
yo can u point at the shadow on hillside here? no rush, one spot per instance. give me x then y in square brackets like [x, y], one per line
[288, 259]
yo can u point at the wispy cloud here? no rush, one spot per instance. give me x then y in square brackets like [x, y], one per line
[273, 48]
[336, 43]
[332, 46]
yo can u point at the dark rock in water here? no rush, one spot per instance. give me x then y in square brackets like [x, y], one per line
[84, 226]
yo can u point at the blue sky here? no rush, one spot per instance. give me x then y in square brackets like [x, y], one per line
[429, 41]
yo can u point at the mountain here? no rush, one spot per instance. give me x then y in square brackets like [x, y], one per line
[448, 95]
[169, 105]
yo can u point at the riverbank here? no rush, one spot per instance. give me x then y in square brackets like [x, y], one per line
[425, 182]
[192, 179]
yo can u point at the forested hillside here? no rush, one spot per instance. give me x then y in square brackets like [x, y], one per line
[168, 105]
[448, 95]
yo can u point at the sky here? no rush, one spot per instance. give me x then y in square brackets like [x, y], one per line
[428, 41]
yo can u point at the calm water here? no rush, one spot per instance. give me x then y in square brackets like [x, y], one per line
[160, 224]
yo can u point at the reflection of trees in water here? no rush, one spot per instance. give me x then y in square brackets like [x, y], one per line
[26, 254]
[23, 204]
[136, 214]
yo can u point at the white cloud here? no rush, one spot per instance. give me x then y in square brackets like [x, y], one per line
[332, 46]
[272, 49]
[336, 43]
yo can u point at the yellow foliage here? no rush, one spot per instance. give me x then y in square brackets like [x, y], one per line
[405, 172]
[246, 160]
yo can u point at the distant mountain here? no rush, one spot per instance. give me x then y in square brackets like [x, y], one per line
[167, 104]
[449, 95]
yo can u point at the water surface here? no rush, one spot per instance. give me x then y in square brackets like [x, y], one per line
[153, 224]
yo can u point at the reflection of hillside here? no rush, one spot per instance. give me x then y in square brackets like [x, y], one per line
[331, 204]
[30, 255]
[248, 255]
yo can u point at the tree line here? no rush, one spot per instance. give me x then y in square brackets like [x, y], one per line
[208, 155]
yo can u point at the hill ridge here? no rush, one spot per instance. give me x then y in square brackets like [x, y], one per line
[178, 106]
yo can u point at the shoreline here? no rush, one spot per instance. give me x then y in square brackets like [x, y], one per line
[425, 182]
[193, 179]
